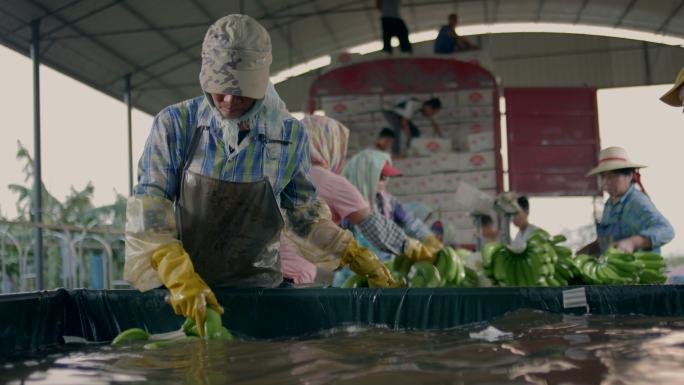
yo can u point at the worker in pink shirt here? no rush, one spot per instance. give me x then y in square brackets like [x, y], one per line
[328, 140]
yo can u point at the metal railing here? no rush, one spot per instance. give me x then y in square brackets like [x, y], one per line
[70, 252]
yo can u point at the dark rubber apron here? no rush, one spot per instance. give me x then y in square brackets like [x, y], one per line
[230, 229]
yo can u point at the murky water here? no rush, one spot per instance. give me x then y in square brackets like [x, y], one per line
[541, 348]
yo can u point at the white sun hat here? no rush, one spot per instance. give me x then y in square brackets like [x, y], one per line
[236, 57]
[613, 158]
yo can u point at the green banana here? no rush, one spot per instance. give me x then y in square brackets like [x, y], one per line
[447, 264]
[627, 267]
[651, 277]
[463, 253]
[213, 327]
[424, 274]
[499, 260]
[471, 278]
[562, 252]
[556, 239]
[613, 253]
[552, 281]
[129, 335]
[648, 255]
[355, 281]
[460, 273]
[653, 265]
[401, 264]
[488, 251]
[167, 343]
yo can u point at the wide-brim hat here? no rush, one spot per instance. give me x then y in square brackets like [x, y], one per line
[613, 158]
[671, 97]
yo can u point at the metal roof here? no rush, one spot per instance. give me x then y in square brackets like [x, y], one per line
[99, 42]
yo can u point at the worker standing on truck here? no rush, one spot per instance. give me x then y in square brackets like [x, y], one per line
[216, 175]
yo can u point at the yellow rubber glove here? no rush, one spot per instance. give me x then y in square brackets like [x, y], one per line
[363, 262]
[189, 294]
[416, 251]
[433, 243]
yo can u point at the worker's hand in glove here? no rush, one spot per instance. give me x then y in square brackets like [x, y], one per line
[189, 295]
[433, 243]
[364, 263]
[416, 251]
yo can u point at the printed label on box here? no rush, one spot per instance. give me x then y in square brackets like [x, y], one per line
[475, 97]
[477, 126]
[428, 146]
[480, 179]
[483, 141]
[445, 182]
[414, 166]
[445, 162]
[477, 161]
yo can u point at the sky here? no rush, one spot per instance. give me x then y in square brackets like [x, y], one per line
[84, 139]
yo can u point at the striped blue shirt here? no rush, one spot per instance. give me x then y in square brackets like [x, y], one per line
[280, 154]
[633, 214]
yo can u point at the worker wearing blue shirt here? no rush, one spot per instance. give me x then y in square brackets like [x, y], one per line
[630, 220]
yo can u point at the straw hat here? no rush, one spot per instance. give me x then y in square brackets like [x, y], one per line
[672, 97]
[613, 158]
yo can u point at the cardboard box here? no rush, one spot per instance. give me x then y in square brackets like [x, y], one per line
[473, 161]
[368, 103]
[445, 162]
[338, 107]
[482, 97]
[442, 201]
[449, 99]
[472, 199]
[423, 184]
[476, 112]
[480, 179]
[457, 219]
[483, 141]
[391, 100]
[445, 182]
[465, 236]
[402, 186]
[477, 126]
[414, 166]
[429, 146]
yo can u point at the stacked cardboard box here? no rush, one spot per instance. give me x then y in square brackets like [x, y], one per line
[453, 174]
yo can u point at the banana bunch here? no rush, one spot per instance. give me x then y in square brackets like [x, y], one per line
[424, 274]
[213, 328]
[618, 268]
[654, 268]
[449, 270]
[455, 273]
[533, 266]
[566, 273]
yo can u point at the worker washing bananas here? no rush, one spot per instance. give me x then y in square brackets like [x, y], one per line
[630, 220]
[369, 171]
[216, 175]
[328, 146]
